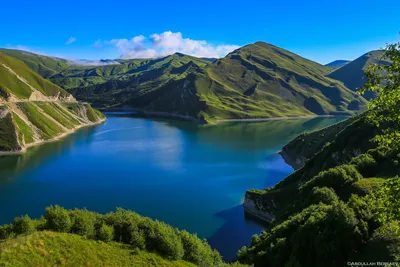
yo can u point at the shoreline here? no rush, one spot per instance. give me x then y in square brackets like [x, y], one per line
[190, 118]
[56, 138]
[276, 118]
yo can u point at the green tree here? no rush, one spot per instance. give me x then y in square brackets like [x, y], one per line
[83, 222]
[384, 110]
[106, 233]
[23, 225]
[58, 219]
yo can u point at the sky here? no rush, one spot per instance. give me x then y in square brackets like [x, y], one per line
[320, 30]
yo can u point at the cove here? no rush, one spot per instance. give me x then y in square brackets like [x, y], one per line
[191, 176]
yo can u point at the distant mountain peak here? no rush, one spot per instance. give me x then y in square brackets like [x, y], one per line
[337, 63]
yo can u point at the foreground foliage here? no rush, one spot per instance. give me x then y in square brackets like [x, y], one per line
[344, 203]
[120, 233]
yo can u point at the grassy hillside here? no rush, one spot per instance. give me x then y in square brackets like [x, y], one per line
[334, 198]
[261, 80]
[121, 238]
[255, 81]
[352, 74]
[45, 66]
[33, 110]
[55, 249]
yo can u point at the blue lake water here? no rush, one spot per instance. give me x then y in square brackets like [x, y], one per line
[191, 176]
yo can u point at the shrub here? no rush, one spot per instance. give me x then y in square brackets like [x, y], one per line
[165, 240]
[58, 219]
[198, 251]
[106, 233]
[5, 232]
[138, 239]
[123, 222]
[366, 164]
[337, 178]
[83, 222]
[322, 194]
[23, 225]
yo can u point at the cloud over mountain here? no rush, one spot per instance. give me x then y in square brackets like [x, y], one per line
[166, 43]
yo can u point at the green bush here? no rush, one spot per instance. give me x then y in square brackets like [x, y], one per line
[23, 225]
[5, 232]
[324, 195]
[57, 219]
[338, 178]
[198, 251]
[83, 222]
[105, 233]
[366, 164]
[138, 239]
[165, 240]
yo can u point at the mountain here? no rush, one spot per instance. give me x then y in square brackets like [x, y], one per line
[34, 110]
[337, 63]
[256, 81]
[44, 65]
[352, 74]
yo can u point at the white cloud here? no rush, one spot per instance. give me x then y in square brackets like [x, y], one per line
[166, 43]
[71, 40]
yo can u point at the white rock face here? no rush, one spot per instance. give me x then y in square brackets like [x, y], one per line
[256, 209]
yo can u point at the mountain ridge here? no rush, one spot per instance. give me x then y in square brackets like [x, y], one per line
[259, 80]
[34, 110]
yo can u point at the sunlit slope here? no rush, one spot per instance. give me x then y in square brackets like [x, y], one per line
[262, 80]
[55, 249]
[44, 65]
[33, 110]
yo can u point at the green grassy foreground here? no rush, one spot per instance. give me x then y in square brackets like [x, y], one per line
[121, 238]
[60, 249]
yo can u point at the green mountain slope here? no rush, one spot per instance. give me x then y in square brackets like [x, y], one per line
[256, 81]
[261, 80]
[44, 65]
[352, 74]
[34, 110]
[330, 211]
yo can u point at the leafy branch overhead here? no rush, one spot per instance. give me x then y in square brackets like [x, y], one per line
[384, 110]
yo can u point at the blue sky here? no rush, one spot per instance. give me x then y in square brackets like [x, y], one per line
[320, 30]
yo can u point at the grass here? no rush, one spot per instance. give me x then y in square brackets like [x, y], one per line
[48, 128]
[61, 249]
[34, 79]
[8, 136]
[25, 133]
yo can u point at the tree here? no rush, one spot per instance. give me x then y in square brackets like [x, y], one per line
[384, 110]
[23, 225]
[106, 233]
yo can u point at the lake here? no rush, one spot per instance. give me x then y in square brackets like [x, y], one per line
[191, 176]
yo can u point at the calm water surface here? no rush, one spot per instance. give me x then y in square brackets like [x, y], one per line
[191, 176]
